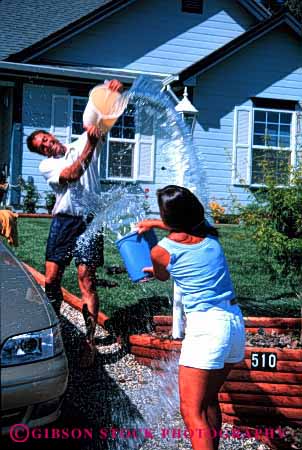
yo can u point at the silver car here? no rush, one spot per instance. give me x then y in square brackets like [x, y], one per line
[34, 369]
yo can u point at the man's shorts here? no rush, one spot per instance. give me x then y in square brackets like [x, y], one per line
[67, 239]
[213, 337]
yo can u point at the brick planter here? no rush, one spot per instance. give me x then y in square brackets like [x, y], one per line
[35, 215]
[248, 396]
[252, 324]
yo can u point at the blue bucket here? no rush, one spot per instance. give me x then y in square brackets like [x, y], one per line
[135, 249]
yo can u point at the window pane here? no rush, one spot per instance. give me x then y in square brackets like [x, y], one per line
[270, 160]
[286, 118]
[272, 129]
[259, 128]
[116, 132]
[129, 133]
[284, 140]
[78, 106]
[129, 121]
[77, 128]
[126, 125]
[259, 139]
[272, 117]
[260, 116]
[121, 160]
[271, 140]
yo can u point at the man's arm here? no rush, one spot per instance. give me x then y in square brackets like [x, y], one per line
[76, 170]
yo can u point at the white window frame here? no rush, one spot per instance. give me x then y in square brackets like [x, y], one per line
[135, 162]
[290, 149]
[68, 135]
[72, 99]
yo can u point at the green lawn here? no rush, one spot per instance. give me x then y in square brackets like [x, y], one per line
[257, 294]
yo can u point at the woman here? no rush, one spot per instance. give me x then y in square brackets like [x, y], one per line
[215, 337]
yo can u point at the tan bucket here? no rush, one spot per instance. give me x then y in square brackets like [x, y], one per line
[104, 107]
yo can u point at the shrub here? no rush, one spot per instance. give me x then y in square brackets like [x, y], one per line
[50, 200]
[276, 216]
[31, 195]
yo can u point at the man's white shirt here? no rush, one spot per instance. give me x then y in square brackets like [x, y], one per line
[51, 168]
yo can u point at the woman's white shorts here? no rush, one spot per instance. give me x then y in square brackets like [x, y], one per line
[213, 337]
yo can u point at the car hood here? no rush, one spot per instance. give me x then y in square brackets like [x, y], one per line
[23, 304]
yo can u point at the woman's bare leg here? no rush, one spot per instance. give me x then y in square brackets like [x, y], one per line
[198, 389]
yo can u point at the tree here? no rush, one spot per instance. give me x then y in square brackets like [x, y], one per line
[295, 7]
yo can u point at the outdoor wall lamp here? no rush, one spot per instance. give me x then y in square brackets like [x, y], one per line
[188, 111]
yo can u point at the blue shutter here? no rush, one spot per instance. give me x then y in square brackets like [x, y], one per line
[60, 117]
[242, 145]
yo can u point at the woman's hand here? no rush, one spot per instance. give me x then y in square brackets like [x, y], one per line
[144, 226]
[147, 224]
[149, 270]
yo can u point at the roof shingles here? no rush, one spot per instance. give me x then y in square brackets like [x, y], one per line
[22, 23]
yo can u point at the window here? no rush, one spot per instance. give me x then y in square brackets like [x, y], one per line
[263, 136]
[130, 151]
[78, 105]
[271, 143]
[192, 6]
[67, 116]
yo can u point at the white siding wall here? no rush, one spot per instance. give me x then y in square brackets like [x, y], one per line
[36, 115]
[155, 36]
[256, 71]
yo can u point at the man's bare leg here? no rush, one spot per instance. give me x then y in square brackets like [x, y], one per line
[53, 279]
[87, 284]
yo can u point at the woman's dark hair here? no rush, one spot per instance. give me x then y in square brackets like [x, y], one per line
[181, 211]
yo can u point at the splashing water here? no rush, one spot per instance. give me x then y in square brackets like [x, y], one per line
[157, 411]
[174, 141]
[155, 115]
[120, 206]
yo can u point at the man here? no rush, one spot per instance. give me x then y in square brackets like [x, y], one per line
[68, 168]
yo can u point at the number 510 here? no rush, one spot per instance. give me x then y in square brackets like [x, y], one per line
[263, 361]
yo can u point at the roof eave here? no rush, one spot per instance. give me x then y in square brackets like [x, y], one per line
[256, 9]
[96, 74]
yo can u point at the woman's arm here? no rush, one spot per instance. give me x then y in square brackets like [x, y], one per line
[147, 224]
[160, 259]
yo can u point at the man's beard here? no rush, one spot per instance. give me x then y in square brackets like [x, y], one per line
[58, 149]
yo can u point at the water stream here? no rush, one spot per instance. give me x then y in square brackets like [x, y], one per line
[117, 208]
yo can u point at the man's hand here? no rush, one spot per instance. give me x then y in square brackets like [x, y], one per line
[115, 85]
[94, 134]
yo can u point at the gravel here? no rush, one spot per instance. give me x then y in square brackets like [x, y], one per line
[120, 394]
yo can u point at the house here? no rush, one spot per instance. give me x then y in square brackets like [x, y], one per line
[241, 64]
